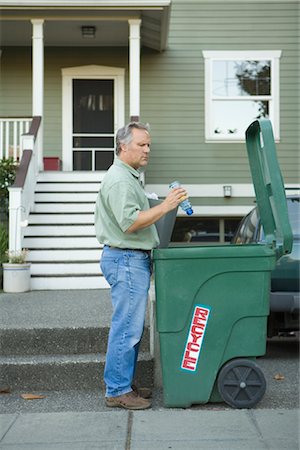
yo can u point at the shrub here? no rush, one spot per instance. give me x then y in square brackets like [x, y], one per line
[3, 243]
[8, 169]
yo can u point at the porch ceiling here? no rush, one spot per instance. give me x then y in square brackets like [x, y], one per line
[64, 19]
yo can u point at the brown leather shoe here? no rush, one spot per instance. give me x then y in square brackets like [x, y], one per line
[128, 401]
[143, 392]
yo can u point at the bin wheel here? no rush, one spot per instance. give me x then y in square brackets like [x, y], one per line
[241, 383]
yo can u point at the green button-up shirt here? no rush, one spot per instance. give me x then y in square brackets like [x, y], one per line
[120, 199]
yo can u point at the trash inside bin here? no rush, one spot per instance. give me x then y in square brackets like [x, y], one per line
[164, 225]
[212, 303]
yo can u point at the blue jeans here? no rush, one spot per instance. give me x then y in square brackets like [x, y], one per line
[128, 274]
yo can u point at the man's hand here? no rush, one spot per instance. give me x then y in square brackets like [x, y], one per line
[152, 215]
[174, 198]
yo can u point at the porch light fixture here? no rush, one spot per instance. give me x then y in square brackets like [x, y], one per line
[88, 32]
[227, 191]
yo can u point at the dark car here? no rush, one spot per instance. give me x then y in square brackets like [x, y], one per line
[284, 295]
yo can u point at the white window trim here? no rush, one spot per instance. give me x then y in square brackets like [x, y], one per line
[274, 113]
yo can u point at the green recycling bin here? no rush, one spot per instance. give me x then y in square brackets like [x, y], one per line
[212, 302]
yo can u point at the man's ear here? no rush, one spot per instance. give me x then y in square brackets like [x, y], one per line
[123, 148]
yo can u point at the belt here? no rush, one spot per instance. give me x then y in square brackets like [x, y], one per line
[132, 249]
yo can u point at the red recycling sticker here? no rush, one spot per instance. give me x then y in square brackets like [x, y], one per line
[195, 338]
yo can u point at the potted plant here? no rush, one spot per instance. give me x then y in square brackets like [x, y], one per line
[16, 272]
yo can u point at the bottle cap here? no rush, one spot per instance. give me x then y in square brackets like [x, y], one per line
[174, 184]
[189, 211]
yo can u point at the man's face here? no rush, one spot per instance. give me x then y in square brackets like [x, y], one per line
[136, 153]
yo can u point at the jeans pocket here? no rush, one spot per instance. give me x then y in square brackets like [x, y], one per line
[140, 260]
[109, 269]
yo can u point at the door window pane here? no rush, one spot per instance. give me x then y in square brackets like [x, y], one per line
[82, 160]
[103, 160]
[93, 142]
[93, 109]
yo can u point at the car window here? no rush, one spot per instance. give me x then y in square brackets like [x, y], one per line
[247, 232]
[250, 229]
[294, 214]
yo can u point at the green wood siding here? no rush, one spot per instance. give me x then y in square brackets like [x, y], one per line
[15, 82]
[173, 88]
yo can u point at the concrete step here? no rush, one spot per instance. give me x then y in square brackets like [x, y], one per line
[59, 372]
[25, 342]
[57, 340]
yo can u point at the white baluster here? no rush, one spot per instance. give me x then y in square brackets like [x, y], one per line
[21, 131]
[15, 142]
[7, 140]
[1, 140]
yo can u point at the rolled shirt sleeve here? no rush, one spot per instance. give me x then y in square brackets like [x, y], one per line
[123, 204]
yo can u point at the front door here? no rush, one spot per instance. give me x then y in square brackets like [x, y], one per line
[92, 112]
[93, 124]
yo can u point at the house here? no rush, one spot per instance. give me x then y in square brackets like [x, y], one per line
[199, 71]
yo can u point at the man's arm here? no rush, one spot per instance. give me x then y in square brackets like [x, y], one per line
[152, 215]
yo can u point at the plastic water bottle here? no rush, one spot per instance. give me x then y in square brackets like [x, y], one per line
[185, 204]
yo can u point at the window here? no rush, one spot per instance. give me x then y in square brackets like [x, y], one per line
[203, 230]
[240, 86]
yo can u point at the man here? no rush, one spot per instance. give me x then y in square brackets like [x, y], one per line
[124, 223]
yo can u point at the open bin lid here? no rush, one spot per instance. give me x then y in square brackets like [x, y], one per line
[268, 185]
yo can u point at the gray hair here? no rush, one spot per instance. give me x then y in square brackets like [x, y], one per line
[124, 134]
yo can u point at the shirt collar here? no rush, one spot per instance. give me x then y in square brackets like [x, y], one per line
[119, 163]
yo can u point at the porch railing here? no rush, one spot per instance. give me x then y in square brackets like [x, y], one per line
[11, 131]
[21, 193]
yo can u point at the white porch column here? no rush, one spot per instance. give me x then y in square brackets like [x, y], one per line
[134, 69]
[38, 81]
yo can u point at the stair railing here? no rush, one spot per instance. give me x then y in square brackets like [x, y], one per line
[21, 193]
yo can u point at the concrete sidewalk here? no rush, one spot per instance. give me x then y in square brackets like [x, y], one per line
[160, 430]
